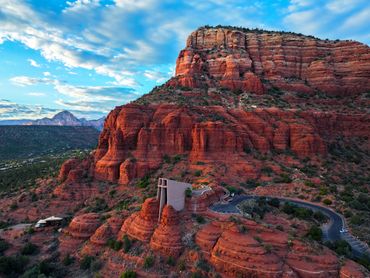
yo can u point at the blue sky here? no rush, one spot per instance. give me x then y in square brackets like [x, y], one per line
[88, 56]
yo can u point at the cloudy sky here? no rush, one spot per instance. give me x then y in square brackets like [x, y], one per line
[88, 56]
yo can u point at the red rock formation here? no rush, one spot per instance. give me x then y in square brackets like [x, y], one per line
[67, 167]
[136, 137]
[240, 59]
[79, 230]
[167, 236]
[198, 204]
[260, 252]
[149, 132]
[108, 230]
[141, 225]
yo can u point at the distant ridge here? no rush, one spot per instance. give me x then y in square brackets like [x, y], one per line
[66, 118]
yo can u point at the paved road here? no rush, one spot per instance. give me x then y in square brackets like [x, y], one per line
[331, 230]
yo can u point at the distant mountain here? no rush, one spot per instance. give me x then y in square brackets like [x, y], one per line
[14, 122]
[66, 118]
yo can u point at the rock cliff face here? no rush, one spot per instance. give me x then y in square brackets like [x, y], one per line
[245, 60]
[167, 236]
[141, 225]
[257, 251]
[237, 91]
[136, 137]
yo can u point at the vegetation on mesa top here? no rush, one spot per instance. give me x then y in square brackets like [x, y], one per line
[21, 142]
[261, 31]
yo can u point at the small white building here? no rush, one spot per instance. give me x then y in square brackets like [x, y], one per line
[50, 221]
[172, 193]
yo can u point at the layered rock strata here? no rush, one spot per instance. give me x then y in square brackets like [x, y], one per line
[167, 236]
[141, 225]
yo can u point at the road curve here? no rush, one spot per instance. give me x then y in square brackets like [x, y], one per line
[331, 231]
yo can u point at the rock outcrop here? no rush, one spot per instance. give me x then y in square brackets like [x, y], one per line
[141, 225]
[243, 60]
[78, 231]
[167, 236]
[290, 78]
[136, 137]
[99, 239]
[251, 250]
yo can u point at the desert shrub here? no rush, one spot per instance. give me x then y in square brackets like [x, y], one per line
[176, 159]
[299, 212]
[310, 170]
[34, 197]
[274, 202]
[96, 265]
[314, 233]
[13, 206]
[233, 189]
[198, 173]
[144, 182]
[86, 262]
[3, 246]
[341, 247]
[126, 243]
[348, 213]
[319, 216]
[42, 269]
[283, 178]
[11, 266]
[267, 170]
[123, 205]
[258, 239]
[68, 260]
[182, 265]
[129, 274]
[203, 265]
[250, 184]
[199, 218]
[114, 244]
[242, 229]
[196, 274]
[365, 261]
[327, 202]
[148, 262]
[29, 249]
[309, 183]
[188, 192]
[355, 204]
[355, 220]
[98, 205]
[323, 191]
[112, 193]
[171, 261]
[267, 247]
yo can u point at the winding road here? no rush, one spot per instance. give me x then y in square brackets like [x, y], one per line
[331, 230]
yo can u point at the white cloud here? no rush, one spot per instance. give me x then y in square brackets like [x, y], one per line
[46, 73]
[305, 21]
[33, 63]
[36, 94]
[13, 111]
[131, 5]
[157, 76]
[358, 20]
[93, 98]
[28, 81]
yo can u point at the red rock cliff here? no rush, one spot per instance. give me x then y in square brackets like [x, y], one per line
[172, 120]
[245, 60]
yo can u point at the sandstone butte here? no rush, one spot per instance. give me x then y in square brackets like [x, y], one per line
[203, 112]
[235, 92]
